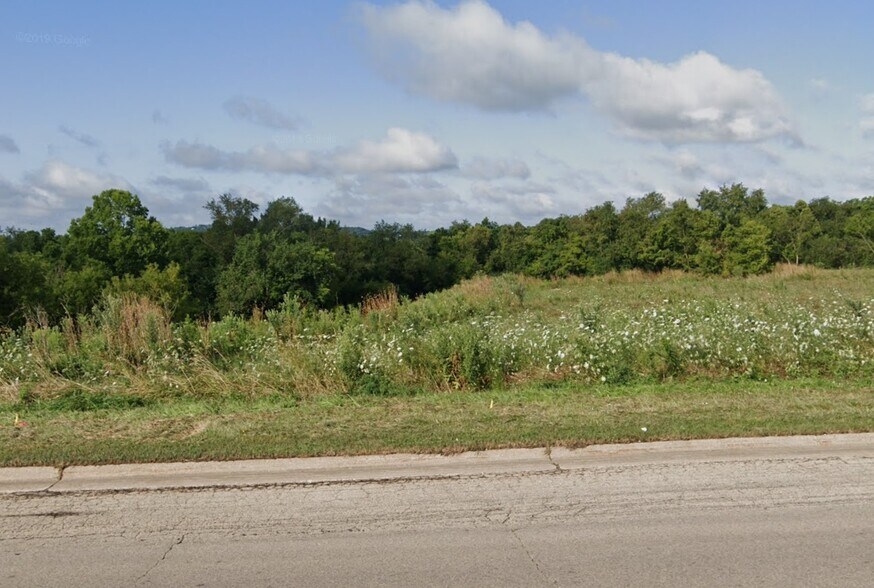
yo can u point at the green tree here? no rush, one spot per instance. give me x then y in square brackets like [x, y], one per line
[233, 217]
[117, 231]
[199, 267]
[349, 250]
[831, 247]
[285, 216]
[398, 255]
[511, 252]
[598, 228]
[733, 204]
[636, 221]
[24, 285]
[747, 249]
[45, 242]
[464, 249]
[673, 242]
[792, 230]
[266, 267]
[548, 245]
[709, 259]
[860, 226]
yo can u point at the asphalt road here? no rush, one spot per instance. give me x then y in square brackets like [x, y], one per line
[799, 514]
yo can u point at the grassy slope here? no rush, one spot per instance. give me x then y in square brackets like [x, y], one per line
[532, 416]
[229, 420]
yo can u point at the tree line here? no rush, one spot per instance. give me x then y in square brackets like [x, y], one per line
[247, 259]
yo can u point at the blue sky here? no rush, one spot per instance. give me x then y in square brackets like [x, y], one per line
[429, 112]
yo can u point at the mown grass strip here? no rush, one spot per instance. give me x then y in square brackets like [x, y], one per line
[566, 414]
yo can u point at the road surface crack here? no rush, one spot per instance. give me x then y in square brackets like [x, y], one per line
[531, 557]
[60, 477]
[549, 457]
[160, 559]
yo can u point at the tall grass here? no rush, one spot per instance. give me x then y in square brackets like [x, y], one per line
[485, 333]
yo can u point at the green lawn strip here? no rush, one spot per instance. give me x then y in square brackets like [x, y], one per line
[568, 414]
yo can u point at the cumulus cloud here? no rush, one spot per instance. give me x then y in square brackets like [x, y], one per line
[517, 67]
[82, 138]
[401, 151]
[65, 179]
[8, 145]
[695, 99]
[259, 112]
[53, 193]
[485, 168]
[469, 54]
[58, 182]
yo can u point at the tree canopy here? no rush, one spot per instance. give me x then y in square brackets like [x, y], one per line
[244, 260]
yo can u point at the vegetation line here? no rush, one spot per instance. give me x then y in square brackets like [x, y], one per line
[244, 261]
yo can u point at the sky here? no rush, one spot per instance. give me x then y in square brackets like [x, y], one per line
[429, 112]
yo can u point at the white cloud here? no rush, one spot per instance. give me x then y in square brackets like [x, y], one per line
[485, 168]
[8, 145]
[695, 99]
[54, 193]
[470, 54]
[866, 125]
[57, 183]
[401, 151]
[866, 103]
[62, 180]
[263, 158]
[259, 112]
